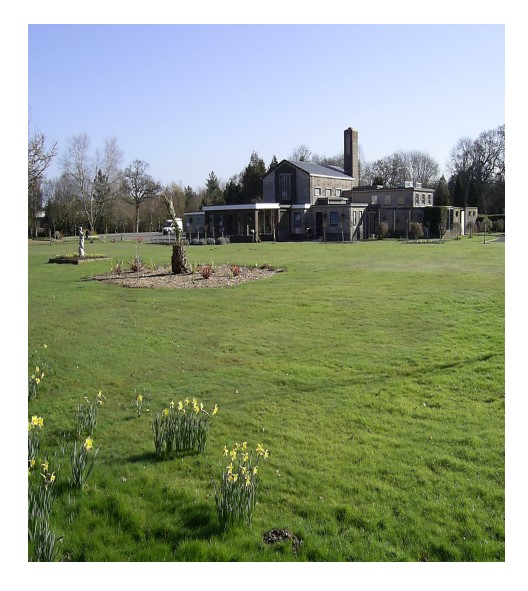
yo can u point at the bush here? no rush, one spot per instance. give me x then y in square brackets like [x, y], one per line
[195, 242]
[222, 240]
[210, 241]
[383, 230]
[416, 230]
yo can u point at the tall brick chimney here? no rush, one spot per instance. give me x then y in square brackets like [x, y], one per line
[351, 152]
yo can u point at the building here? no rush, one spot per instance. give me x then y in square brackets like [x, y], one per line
[309, 201]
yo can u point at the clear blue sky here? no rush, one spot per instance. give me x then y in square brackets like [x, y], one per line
[190, 99]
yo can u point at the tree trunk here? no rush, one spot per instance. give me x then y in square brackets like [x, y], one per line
[179, 259]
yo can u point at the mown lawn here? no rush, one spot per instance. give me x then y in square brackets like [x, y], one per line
[373, 372]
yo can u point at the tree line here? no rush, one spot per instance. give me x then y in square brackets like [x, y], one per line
[95, 191]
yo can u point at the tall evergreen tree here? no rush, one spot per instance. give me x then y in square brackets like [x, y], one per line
[273, 164]
[460, 195]
[213, 193]
[473, 199]
[441, 194]
[251, 178]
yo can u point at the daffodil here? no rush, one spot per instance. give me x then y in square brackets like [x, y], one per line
[37, 381]
[37, 370]
[225, 451]
[165, 412]
[186, 401]
[215, 409]
[255, 470]
[245, 457]
[140, 398]
[244, 445]
[230, 468]
[233, 454]
[172, 404]
[52, 477]
[45, 465]
[45, 346]
[180, 405]
[88, 444]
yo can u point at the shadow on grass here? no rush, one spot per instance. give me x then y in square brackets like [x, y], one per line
[153, 457]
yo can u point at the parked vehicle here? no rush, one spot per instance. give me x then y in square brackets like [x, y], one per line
[168, 227]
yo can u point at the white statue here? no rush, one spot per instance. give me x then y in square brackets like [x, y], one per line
[81, 242]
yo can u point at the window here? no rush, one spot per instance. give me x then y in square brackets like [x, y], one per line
[401, 199]
[423, 199]
[317, 191]
[388, 200]
[354, 218]
[429, 199]
[285, 187]
[338, 192]
[334, 218]
[417, 199]
[374, 199]
[328, 192]
[297, 219]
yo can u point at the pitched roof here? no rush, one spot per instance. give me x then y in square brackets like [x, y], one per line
[320, 169]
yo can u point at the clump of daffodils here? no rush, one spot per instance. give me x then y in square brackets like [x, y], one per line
[82, 461]
[237, 495]
[182, 427]
[39, 370]
[86, 414]
[141, 400]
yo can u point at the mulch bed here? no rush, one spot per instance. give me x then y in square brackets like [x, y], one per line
[163, 277]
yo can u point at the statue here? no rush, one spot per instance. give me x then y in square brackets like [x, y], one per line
[81, 242]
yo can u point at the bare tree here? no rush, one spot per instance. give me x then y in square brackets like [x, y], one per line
[138, 186]
[301, 154]
[77, 164]
[106, 180]
[39, 159]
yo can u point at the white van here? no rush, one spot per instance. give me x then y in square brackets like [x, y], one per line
[168, 227]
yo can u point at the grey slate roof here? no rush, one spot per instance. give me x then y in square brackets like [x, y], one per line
[320, 170]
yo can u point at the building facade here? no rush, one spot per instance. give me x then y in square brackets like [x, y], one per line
[309, 201]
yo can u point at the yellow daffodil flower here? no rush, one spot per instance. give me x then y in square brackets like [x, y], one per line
[180, 405]
[255, 470]
[233, 454]
[88, 444]
[244, 445]
[165, 412]
[45, 465]
[215, 409]
[172, 404]
[245, 457]
[37, 370]
[225, 451]
[186, 401]
[140, 398]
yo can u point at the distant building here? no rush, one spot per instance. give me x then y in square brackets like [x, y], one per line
[306, 201]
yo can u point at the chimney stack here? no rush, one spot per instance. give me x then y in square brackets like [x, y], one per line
[351, 152]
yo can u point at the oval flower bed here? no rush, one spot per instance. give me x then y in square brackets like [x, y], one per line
[218, 276]
[75, 259]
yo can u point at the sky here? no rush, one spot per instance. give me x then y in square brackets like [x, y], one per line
[191, 99]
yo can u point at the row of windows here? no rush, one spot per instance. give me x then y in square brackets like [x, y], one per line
[335, 217]
[328, 192]
[419, 199]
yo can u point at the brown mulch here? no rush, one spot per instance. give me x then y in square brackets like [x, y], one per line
[163, 277]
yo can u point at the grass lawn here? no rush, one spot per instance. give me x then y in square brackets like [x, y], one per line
[373, 372]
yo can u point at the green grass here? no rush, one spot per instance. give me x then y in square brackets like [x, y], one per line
[373, 372]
